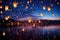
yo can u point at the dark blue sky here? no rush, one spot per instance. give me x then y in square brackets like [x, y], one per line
[31, 8]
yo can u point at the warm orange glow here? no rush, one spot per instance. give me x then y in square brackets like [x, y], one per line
[6, 8]
[33, 24]
[49, 8]
[44, 7]
[39, 21]
[0, 7]
[0, 1]
[23, 29]
[4, 34]
[15, 4]
[7, 17]
[1, 12]
[29, 20]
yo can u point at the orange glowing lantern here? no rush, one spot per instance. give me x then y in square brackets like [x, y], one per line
[49, 8]
[0, 7]
[7, 17]
[4, 34]
[6, 7]
[15, 4]
[23, 29]
[44, 7]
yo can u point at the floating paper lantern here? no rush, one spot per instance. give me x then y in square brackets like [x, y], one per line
[15, 4]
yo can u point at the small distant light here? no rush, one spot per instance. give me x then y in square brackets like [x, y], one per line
[29, 20]
[58, 3]
[44, 7]
[52, 14]
[15, 4]
[1, 12]
[7, 17]
[0, 7]
[49, 8]
[39, 21]
[41, 14]
[4, 34]
[26, 7]
[28, 2]
[33, 24]
[23, 29]
[6, 7]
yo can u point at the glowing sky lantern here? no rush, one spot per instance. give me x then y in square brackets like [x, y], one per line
[44, 7]
[15, 4]
[0, 7]
[4, 34]
[41, 14]
[29, 20]
[7, 17]
[23, 29]
[49, 8]
[6, 7]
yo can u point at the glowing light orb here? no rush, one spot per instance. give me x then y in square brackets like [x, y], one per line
[0, 7]
[49, 8]
[41, 14]
[15, 4]
[23, 29]
[44, 7]
[7, 17]
[4, 34]
[1, 12]
[58, 3]
[26, 7]
[28, 2]
[6, 7]
[39, 21]
[33, 25]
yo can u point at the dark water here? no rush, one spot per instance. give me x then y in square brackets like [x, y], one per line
[30, 33]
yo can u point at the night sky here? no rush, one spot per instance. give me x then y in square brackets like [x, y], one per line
[34, 9]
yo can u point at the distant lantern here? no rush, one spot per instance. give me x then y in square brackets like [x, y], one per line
[41, 14]
[26, 7]
[28, 2]
[4, 34]
[39, 21]
[49, 8]
[0, 7]
[7, 17]
[1, 12]
[15, 4]
[44, 7]
[58, 3]
[29, 20]
[33, 24]
[52, 14]
[6, 7]
[23, 29]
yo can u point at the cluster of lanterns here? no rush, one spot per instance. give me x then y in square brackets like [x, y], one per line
[15, 4]
[48, 8]
[7, 17]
